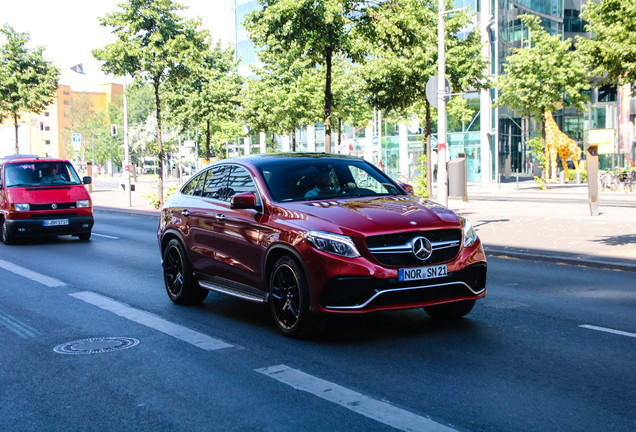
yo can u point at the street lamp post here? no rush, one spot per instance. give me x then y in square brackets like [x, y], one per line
[442, 175]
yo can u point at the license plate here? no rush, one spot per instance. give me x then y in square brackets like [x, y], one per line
[55, 222]
[420, 273]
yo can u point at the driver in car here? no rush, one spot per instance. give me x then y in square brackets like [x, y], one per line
[49, 174]
[323, 185]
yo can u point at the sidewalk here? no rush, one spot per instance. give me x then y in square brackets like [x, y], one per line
[516, 220]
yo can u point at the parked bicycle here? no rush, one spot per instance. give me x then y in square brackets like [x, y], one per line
[617, 180]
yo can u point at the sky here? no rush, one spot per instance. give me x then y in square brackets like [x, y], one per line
[69, 29]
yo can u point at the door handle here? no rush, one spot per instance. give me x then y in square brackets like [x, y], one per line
[185, 213]
[220, 217]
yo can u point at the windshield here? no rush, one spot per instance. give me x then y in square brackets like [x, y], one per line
[40, 174]
[297, 179]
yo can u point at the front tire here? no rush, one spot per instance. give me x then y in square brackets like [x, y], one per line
[289, 297]
[7, 238]
[178, 277]
[450, 311]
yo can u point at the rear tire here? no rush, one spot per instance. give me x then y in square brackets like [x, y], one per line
[450, 311]
[85, 236]
[178, 276]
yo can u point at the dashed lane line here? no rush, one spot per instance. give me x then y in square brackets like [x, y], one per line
[29, 274]
[105, 236]
[185, 334]
[608, 330]
[380, 411]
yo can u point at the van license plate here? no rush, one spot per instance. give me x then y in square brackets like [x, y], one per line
[55, 222]
[419, 273]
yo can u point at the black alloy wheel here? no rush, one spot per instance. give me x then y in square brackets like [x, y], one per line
[178, 278]
[449, 311]
[289, 297]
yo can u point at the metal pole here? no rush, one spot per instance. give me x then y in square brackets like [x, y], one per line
[442, 175]
[126, 152]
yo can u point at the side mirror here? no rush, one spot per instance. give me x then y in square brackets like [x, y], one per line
[245, 200]
[407, 187]
[87, 180]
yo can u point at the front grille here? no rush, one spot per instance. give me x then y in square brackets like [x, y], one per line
[54, 215]
[397, 249]
[58, 206]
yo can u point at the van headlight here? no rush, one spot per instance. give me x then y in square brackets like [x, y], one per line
[332, 243]
[22, 207]
[469, 234]
[83, 204]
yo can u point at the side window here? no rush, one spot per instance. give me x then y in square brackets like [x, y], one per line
[215, 182]
[191, 188]
[240, 182]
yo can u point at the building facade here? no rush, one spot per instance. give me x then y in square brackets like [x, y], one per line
[48, 134]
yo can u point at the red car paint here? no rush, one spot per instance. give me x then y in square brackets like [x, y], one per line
[234, 226]
[34, 203]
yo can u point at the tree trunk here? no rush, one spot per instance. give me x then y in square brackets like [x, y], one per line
[328, 100]
[294, 140]
[159, 144]
[15, 123]
[208, 153]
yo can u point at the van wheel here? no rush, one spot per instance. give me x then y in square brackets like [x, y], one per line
[85, 236]
[7, 238]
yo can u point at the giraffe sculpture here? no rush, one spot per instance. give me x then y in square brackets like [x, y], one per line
[558, 142]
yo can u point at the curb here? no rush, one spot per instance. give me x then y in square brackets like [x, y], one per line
[562, 258]
[130, 212]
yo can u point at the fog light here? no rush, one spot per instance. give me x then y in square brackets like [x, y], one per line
[21, 229]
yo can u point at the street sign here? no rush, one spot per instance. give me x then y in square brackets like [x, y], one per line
[77, 141]
[431, 91]
[375, 140]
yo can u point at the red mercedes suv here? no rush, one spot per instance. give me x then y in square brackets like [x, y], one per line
[316, 234]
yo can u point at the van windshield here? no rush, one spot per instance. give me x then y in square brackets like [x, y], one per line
[40, 174]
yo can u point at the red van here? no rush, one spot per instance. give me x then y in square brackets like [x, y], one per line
[43, 196]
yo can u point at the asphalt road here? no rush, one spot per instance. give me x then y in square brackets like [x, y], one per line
[551, 347]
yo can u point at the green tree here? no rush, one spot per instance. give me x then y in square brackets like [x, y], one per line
[209, 98]
[611, 50]
[314, 30]
[81, 118]
[154, 45]
[542, 76]
[27, 82]
[282, 98]
[401, 38]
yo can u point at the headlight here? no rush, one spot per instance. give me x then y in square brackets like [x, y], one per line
[470, 236]
[22, 207]
[332, 243]
[83, 204]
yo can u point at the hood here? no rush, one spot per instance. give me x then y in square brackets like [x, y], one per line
[47, 194]
[372, 216]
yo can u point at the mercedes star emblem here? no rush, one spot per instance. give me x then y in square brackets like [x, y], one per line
[422, 248]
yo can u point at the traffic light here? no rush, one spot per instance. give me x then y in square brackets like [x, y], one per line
[113, 130]
[42, 125]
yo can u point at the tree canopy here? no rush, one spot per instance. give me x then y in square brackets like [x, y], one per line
[544, 75]
[611, 49]
[28, 83]
[155, 45]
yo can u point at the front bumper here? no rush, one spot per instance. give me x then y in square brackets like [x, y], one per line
[35, 227]
[365, 294]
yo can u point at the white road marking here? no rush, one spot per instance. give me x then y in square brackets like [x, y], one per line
[197, 339]
[608, 330]
[29, 274]
[18, 327]
[105, 236]
[354, 401]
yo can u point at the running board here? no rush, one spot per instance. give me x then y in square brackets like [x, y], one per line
[234, 292]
